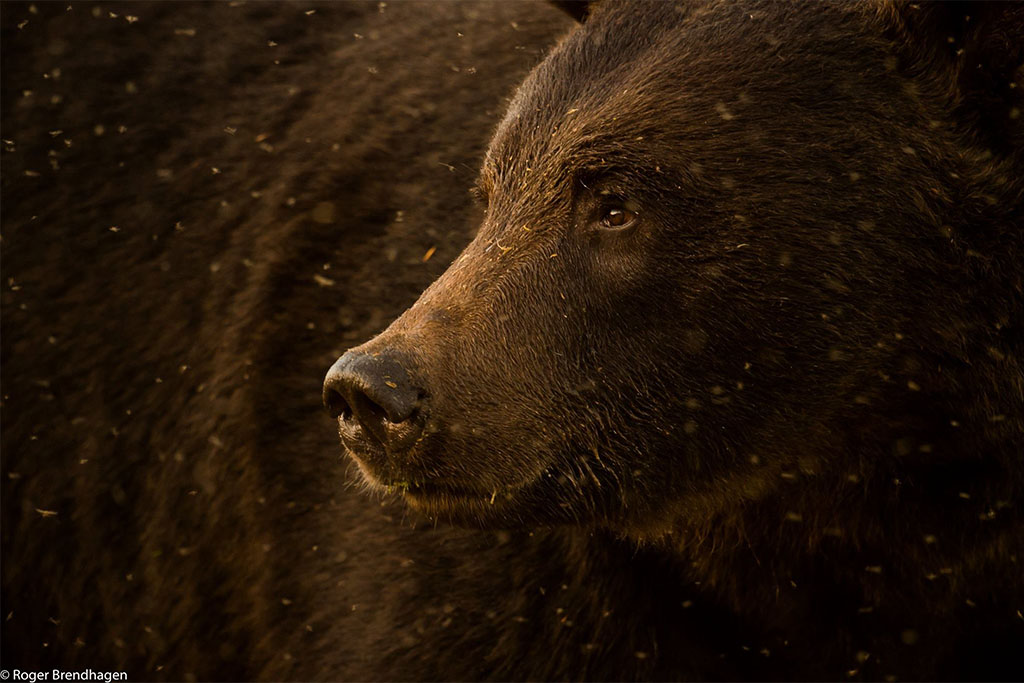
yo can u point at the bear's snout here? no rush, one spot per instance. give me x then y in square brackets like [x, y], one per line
[377, 405]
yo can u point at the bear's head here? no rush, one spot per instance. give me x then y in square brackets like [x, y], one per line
[724, 244]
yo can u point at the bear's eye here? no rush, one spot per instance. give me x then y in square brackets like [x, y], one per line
[618, 218]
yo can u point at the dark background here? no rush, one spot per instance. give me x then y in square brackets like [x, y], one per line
[203, 206]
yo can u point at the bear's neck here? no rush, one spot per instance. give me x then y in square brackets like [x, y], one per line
[917, 513]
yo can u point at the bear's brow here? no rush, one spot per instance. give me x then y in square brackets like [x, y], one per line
[595, 160]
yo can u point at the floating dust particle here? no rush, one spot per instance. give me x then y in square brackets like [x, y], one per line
[131, 19]
[913, 386]
[46, 513]
[114, 228]
[794, 517]
[310, 12]
[873, 569]
[32, 174]
[271, 43]
[430, 252]
[215, 170]
[391, 384]
[190, 32]
[909, 636]
[22, 24]
[230, 130]
[323, 281]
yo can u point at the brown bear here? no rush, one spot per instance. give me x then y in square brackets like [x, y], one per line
[726, 386]
[746, 295]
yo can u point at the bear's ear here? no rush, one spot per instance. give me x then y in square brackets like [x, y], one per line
[577, 9]
[973, 50]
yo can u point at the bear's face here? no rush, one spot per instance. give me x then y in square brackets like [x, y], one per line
[692, 270]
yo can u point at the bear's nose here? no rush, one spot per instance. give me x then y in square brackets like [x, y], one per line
[374, 397]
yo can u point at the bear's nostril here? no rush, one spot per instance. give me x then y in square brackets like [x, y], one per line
[336, 404]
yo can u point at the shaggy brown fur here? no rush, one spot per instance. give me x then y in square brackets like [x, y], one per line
[770, 430]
